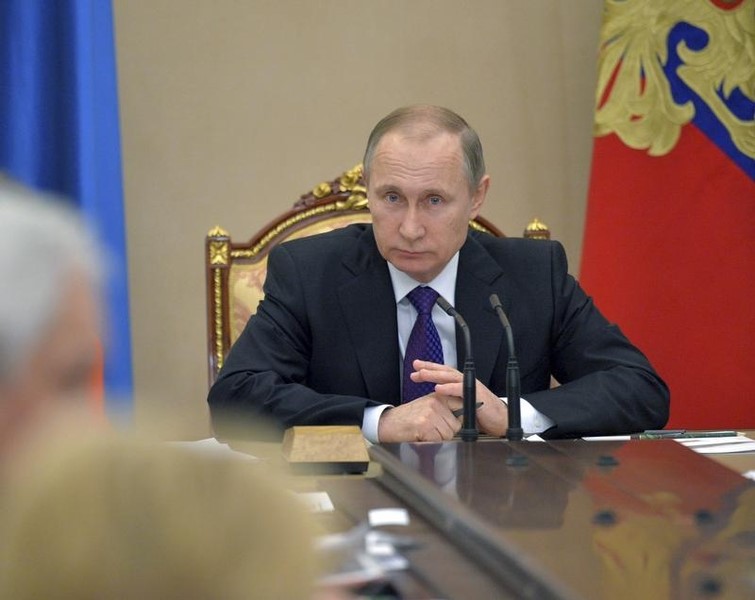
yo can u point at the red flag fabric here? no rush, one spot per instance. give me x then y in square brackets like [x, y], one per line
[669, 247]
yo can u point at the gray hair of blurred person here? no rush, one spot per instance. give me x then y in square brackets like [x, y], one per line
[42, 243]
[427, 120]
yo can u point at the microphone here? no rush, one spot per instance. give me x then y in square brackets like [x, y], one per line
[514, 432]
[468, 431]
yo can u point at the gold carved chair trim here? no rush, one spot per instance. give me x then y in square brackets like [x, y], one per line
[236, 271]
[537, 230]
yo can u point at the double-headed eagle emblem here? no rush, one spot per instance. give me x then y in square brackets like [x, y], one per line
[643, 56]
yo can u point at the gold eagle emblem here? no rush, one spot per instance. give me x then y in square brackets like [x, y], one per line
[634, 98]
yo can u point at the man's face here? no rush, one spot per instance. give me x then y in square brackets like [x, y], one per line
[57, 377]
[420, 202]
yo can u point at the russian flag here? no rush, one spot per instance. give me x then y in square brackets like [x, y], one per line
[669, 246]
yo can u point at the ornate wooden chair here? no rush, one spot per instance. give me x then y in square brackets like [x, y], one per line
[236, 270]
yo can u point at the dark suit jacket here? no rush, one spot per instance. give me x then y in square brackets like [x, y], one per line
[323, 344]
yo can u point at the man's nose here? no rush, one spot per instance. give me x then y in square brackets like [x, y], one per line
[411, 226]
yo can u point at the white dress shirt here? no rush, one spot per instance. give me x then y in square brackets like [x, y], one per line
[445, 284]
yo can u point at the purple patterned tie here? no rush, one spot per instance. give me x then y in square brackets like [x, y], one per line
[423, 344]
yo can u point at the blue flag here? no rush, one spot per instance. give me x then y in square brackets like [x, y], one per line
[59, 132]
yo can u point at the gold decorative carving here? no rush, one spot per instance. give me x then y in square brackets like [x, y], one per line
[537, 230]
[280, 228]
[290, 222]
[356, 201]
[633, 97]
[218, 231]
[322, 190]
[349, 191]
[478, 227]
[351, 181]
[217, 295]
[219, 252]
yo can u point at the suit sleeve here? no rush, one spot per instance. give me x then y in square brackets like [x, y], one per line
[607, 385]
[262, 388]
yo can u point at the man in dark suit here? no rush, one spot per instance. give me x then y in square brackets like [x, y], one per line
[330, 340]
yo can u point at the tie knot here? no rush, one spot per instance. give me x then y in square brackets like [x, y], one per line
[423, 299]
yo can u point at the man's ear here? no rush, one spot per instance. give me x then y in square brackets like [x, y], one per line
[479, 196]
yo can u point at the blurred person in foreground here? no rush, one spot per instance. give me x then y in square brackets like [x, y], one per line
[49, 313]
[110, 518]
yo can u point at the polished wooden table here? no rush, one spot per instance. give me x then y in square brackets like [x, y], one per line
[574, 519]
[565, 519]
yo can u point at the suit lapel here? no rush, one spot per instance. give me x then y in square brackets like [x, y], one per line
[478, 277]
[369, 309]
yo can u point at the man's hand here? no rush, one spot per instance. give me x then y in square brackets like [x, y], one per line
[426, 419]
[492, 416]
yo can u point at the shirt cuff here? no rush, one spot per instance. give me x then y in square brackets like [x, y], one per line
[533, 421]
[370, 422]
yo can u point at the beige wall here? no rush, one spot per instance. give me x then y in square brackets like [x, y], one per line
[231, 109]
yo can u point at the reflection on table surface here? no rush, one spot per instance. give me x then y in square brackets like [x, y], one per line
[608, 519]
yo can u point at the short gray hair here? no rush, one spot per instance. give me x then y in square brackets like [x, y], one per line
[42, 242]
[434, 119]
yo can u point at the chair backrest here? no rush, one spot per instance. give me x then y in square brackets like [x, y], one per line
[236, 271]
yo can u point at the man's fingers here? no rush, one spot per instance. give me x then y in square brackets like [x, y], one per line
[433, 375]
[454, 389]
[423, 365]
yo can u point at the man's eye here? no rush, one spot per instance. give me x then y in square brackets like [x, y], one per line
[392, 198]
[435, 200]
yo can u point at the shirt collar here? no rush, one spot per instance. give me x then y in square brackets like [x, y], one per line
[444, 283]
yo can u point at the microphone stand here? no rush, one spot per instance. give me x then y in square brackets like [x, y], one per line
[514, 432]
[469, 432]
